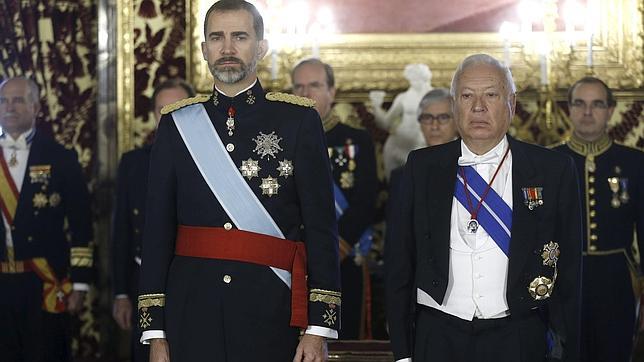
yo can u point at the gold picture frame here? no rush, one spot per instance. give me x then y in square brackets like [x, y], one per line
[363, 62]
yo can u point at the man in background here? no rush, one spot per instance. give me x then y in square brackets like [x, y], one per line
[45, 255]
[353, 163]
[129, 217]
[611, 180]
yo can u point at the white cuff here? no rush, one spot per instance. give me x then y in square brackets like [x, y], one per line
[322, 332]
[408, 359]
[121, 296]
[81, 287]
[146, 336]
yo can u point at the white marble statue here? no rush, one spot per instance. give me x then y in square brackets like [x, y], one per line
[406, 135]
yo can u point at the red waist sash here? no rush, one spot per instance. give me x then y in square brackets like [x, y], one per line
[249, 247]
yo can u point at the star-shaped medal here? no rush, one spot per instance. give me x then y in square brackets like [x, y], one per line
[269, 186]
[267, 145]
[285, 168]
[250, 168]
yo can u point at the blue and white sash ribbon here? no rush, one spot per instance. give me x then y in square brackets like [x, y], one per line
[494, 214]
[341, 204]
[222, 176]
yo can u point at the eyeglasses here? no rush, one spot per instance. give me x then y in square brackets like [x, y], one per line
[580, 105]
[428, 118]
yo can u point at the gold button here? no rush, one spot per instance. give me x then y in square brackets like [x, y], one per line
[228, 226]
[593, 237]
[35, 213]
[227, 279]
[592, 202]
[593, 225]
[593, 213]
[591, 179]
[592, 248]
[135, 211]
[230, 147]
[29, 238]
[591, 190]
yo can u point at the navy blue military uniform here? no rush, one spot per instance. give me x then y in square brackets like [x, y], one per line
[611, 186]
[353, 163]
[53, 193]
[211, 308]
[127, 233]
[419, 257]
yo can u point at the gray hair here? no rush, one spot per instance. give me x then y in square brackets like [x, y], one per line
[433, 96]
[483, 59]
[32, 87]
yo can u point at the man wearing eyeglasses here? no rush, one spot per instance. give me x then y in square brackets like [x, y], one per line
[353, 163]
[610, 179]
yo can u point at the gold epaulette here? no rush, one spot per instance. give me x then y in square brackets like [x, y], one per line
[290, 98]
[184, 102]
[557, 144]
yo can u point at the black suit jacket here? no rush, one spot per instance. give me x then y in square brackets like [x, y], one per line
[128, 220]
[418, 254]
[38, 229]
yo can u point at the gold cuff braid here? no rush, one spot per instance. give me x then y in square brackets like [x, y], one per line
[151, 300]
[325, 296]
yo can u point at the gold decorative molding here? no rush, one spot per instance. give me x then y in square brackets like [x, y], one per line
[363, 62]
[125, 74]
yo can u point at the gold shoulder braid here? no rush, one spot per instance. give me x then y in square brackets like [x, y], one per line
[290, 98]
[184, 102]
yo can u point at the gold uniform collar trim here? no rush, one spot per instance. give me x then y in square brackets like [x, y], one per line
[585, 148]
[331, 120]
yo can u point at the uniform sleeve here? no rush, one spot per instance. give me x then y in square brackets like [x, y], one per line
[400, 267]
[569, 231]
[121, 230]
[359, 215]
[78, 212]
[315, 191]
[160, 228]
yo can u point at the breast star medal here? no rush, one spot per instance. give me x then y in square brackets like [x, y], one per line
[269, 186]
[550, 254]
[285, 168]
[267, 145]
[250, 168]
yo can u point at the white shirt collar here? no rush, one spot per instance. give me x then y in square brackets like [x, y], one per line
[238, 93]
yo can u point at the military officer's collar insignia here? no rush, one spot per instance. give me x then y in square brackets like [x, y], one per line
[39, 173]
[532, 197]
[250, 97]
[269, 186]
[267, 145]
[541, 288]
[250, 168]
[585, 148]
[330, 121]
[550, 254]
[285, 168]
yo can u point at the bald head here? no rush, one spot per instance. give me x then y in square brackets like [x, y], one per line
[19, 105]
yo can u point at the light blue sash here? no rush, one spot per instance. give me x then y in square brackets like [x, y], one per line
[223, 177]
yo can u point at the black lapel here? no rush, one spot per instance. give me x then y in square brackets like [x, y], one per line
[524, 225]
[440, 192]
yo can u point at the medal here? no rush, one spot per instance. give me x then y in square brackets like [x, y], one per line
[532, 197]
[230, 122]
[472, 225]
[613, 184]
[13, 160]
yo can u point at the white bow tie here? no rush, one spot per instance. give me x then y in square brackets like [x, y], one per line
[491, 158]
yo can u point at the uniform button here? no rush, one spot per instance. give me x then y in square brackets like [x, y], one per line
[135, 211]
[591, 190]
[593, 213]
[227, 279]
[29, 238]
[137, 231]
[592, 248]
[230, 147]
[591, 179]
[592, 202]
[13, 227]
[593, 237]
[593, 225]
[35, 213]
[435, 283]
[477, 296]
[228, 226]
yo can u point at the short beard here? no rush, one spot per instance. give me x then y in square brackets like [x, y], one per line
[229, 75]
